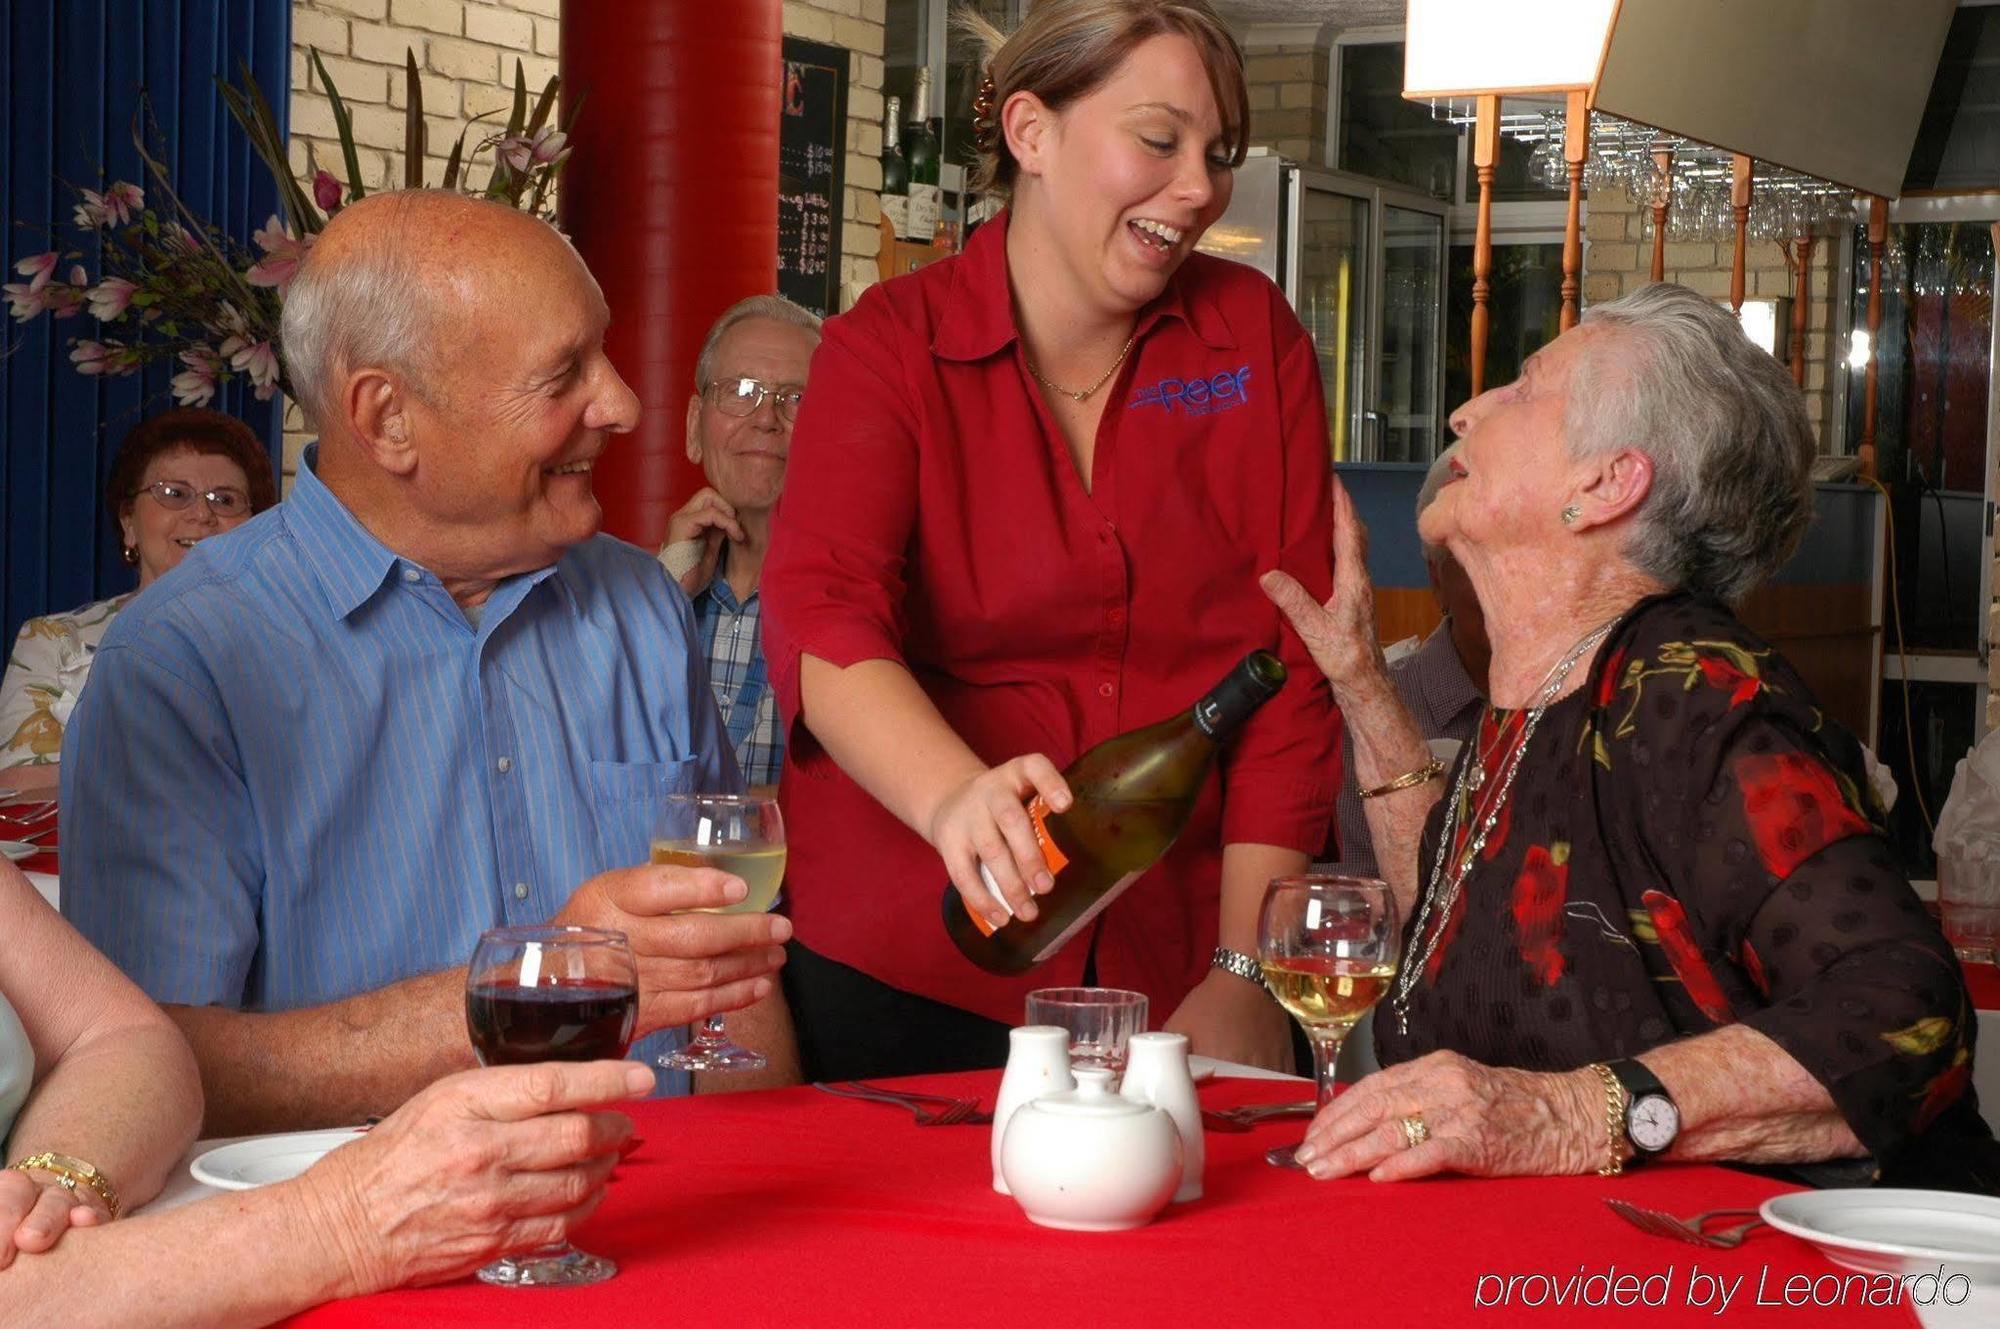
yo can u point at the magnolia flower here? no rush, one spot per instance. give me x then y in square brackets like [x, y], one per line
[38, 269]
[282, 255]
[109, 358]
[549, 145]
[326, 191]
[257, 360]
[196, 385]
[110, 298]
[66, 300]
[176, 236]
[123, 201]
[116, 204]
[24, 301]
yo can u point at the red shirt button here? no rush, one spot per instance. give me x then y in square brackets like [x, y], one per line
[1105, 689]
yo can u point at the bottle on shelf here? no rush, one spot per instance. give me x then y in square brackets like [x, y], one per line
[895, 175]
[1132, 794]
[921, 160]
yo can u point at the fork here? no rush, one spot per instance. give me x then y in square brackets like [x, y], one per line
[1686, 1229]
[1243, 1118]
[951, 1112]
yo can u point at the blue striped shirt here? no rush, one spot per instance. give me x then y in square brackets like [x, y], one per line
[299, 773]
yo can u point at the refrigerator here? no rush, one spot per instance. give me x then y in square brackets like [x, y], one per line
[1363, 263]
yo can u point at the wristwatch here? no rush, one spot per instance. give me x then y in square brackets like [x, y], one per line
[1243, 966]
[1652, 1120]
[71, 1173]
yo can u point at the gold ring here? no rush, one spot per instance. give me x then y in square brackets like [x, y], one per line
[1414, 1130]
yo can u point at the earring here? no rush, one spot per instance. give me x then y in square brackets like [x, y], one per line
[131, 557]
[1571, 513]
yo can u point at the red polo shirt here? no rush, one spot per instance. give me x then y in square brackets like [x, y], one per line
[932, 515]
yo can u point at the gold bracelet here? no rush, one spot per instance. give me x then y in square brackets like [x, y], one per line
[70, 1173]
[1424, 774]
[1614, 1120]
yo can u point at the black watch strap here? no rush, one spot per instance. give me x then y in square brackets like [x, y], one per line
[1639, 1082]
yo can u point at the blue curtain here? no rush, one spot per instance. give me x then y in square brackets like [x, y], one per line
[78, 75]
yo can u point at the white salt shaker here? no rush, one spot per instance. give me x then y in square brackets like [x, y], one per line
[1037, 1064]
[1156, 1072]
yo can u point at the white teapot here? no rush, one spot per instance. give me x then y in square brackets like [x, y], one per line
[1089, 1160]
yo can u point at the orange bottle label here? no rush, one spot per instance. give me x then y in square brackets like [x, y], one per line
[1052, 855]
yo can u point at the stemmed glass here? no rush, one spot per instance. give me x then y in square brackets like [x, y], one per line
[1328, 946]
[741, 834]
[550, 993]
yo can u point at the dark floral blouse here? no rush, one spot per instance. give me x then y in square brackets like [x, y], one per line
[1688, 843]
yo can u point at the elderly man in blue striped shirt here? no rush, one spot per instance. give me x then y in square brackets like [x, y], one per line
[422, 697]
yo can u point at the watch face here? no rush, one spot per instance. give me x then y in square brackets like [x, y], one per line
[1653, 1122]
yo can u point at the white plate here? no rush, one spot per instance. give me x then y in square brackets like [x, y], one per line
[1896, 1231]
[263, 1159]
[16, 850]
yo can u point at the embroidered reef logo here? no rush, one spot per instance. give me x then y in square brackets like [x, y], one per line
[1197, 396]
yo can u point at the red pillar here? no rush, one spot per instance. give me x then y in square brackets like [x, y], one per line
[671, 197]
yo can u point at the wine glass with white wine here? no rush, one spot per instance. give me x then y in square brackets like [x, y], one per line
[1328, 948]
[741, 834]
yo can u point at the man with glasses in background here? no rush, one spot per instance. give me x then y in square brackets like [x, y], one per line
[748, 383]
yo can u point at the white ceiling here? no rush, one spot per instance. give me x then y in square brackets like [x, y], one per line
[1347, 13]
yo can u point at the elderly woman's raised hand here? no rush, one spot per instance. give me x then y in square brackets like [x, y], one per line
[479, 1165]
[1483, 1121]
[1340, 634]
[34, 1213]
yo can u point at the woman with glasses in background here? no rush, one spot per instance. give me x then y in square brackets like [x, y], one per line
[178, 478]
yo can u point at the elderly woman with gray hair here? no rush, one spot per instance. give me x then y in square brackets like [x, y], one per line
[1651, 914]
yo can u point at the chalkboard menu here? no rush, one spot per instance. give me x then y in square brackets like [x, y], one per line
[812, 149]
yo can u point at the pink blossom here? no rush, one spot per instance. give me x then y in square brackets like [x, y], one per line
[177, 236]
[327, 191]
[24, 301]
[122, 202]
[282, 255]
[38, 269]
[549, 145]
[66, 300]
[196, 386]
[110, 298]
[257, 360]
[90, 213]
[109, 358]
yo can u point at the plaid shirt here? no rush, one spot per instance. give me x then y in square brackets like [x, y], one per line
[732, 637]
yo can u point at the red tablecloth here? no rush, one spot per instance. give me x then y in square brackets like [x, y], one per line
[797, 1208]
[1982, 981]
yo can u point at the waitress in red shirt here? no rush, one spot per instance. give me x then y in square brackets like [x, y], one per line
[1030, 492]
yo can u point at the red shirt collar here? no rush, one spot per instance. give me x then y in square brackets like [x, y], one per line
[977, 319]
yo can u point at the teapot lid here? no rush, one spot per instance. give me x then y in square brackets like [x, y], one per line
[1092, 1097]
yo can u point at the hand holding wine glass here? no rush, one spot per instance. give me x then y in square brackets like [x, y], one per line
[1328, 947]
[742, 835]
[691, 964]
[550, 993]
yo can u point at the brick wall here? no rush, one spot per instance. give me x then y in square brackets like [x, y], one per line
[1288, 83]
[1618, 258]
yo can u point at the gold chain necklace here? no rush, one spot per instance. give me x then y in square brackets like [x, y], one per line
[1102, 379]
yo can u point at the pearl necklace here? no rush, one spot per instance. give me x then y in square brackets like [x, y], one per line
[1453, 886]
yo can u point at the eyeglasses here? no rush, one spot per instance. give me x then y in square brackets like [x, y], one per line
[743, 396]
[174, 495]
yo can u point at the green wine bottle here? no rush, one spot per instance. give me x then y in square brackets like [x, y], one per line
[920, 157]
[1132, 794]
[895, 175]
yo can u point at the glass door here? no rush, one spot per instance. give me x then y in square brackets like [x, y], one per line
[1409, 374]
[1934, 427]
[1329, 286]
[1369, 286]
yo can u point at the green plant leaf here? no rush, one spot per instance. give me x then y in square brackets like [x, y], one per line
[543, 105]
[451, 163]
[343, 124]
[413, 125]
[255, 118]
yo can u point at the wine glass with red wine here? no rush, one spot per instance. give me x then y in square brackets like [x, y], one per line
[550, 993]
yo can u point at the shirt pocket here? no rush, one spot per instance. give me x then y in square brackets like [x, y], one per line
[626, 796]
